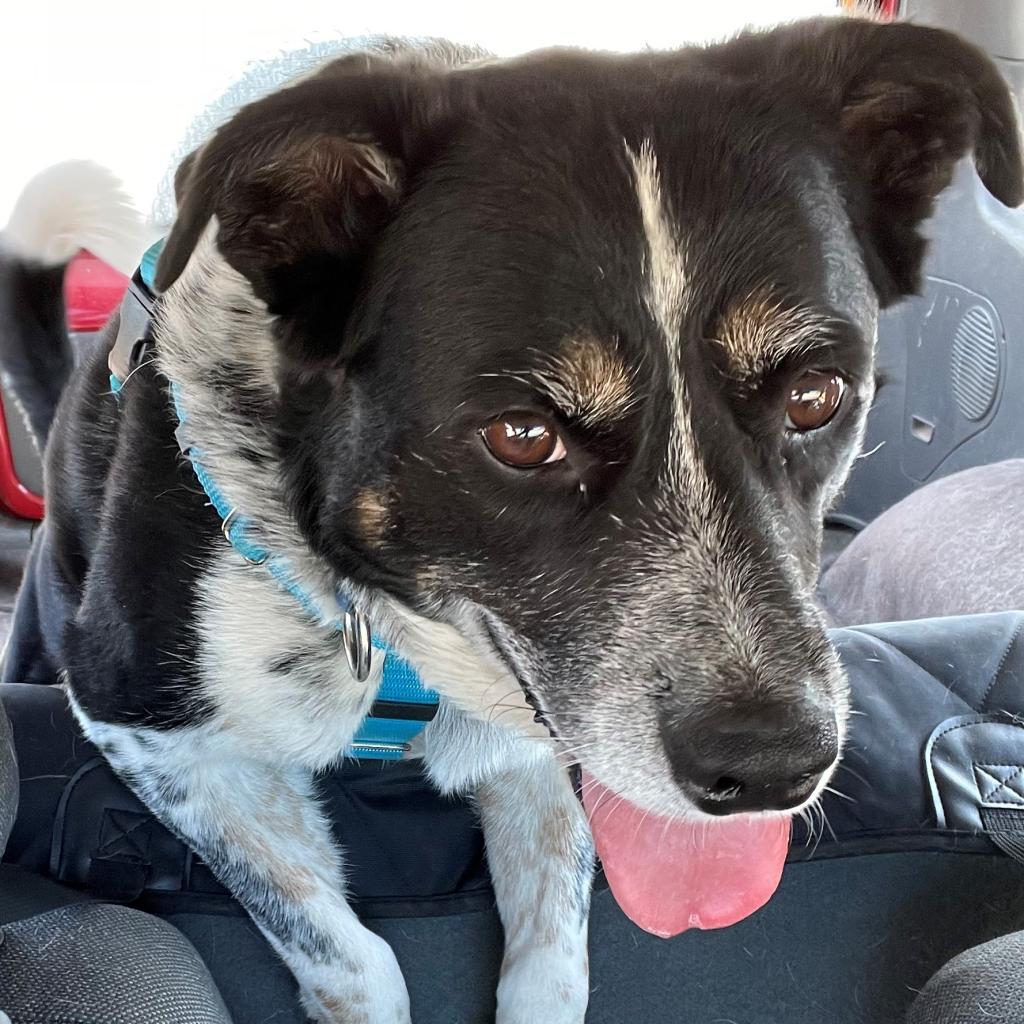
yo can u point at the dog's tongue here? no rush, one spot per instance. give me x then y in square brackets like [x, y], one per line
[669, 875]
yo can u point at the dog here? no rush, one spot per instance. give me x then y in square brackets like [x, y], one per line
[550, 366]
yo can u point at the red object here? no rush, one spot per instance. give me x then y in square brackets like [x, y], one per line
[92, 291]
[888, 9]
[14, 495]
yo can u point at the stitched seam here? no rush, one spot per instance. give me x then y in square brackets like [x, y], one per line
[933, 785]
[999, 668]
[980, 720]
[987, 776]
[125, 833]
[1005, 784]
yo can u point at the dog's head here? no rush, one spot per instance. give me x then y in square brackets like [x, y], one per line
[575, 350]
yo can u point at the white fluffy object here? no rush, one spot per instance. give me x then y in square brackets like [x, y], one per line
[77, 205]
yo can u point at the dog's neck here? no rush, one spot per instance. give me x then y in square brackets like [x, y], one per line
[214, 340]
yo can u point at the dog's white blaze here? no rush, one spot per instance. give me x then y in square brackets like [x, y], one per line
[701, 546]
[666, 274]
[665, 297]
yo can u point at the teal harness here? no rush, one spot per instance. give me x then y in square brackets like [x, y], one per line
[403, 705]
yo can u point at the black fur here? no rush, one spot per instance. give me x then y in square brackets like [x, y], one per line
[34, 349]
[426, 237]
[127, 532]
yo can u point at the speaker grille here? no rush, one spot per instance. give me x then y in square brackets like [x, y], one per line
[975, 363]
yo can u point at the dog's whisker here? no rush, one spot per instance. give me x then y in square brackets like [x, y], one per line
[841, 795]
[844, 767]
[819, 814]
[828, 825]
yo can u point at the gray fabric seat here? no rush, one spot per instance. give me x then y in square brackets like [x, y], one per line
[93, 963]
[8, 778]
[950, 548]
[65, 959]
[983, 985]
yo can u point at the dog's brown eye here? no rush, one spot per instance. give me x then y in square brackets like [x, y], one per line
[813, 400]
[523, 440]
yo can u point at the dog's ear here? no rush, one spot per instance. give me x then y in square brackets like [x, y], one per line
[301, 183]
[181, 176]
[908, 102]
[916, 101]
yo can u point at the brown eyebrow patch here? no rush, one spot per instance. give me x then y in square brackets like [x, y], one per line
[759, 332]
[370, 511]
[588, 380]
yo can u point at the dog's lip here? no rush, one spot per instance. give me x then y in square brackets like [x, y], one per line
[540, 715]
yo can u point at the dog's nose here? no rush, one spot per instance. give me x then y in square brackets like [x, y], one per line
[759, 757]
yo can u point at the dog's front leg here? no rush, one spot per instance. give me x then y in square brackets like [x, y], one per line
[541, 858]
[260, 829]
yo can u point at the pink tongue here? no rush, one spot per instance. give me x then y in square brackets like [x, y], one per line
[669, 875]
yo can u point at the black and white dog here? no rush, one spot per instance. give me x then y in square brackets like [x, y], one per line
[551, 366]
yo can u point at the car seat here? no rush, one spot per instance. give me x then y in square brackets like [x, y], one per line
[983, 985]
[67, 959]
[911, 870]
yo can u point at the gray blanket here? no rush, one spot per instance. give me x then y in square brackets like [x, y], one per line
[954, 547]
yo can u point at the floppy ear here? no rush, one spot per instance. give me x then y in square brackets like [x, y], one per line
[301, 183]
[916, 102]
[908, 103]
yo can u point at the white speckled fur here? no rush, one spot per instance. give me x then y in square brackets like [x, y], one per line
[271, 730]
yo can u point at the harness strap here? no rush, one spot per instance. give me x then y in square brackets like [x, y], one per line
[403, 705]
[134, 333]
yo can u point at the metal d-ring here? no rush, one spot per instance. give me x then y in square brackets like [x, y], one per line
[225, 528]
[355, 633]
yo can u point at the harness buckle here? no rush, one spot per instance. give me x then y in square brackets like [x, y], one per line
[355, 635]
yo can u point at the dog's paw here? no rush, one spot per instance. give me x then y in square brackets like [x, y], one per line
[542, 988]
[367, 989]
